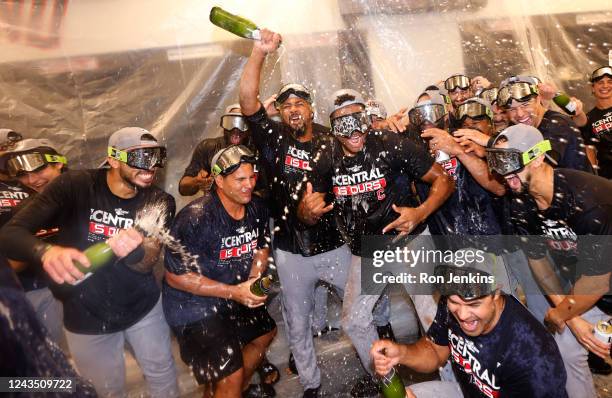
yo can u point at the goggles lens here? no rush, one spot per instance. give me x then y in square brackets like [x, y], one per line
[230, 122]
[489, 94]
[28, 162]
[426, 113]
[231, 158]
[296, 89]
[140, 158]
[504, 161]
[515, 91]
[601, 72]
[457, 82]
[345, 126]
[473, 110]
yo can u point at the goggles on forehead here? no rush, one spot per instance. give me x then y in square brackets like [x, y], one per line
[467, 291]
[29, 162]
[292, 89]
[473, 110]
[489, 94]
[140, 158]
[227, 161]
[519, 91]
[457, 82]
[601, 72]
[346, 125]
[505, 161]
[426, 113]
[230, 122]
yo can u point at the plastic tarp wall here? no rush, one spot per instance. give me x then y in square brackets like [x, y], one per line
[74, 72]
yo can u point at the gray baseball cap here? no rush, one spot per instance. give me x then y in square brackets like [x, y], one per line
[523, 138]
[520, 79]
[346, 97]
[28, 145]
[131, 138]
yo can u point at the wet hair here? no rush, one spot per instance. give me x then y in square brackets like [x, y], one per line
[341, 99]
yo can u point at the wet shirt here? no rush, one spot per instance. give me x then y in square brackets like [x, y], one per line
[224, 248]
[11, 194]
[365, 186]
[581, 205]
[598, 132]
[114, 297]
[518, 358]
[566, 141]
[287, 163]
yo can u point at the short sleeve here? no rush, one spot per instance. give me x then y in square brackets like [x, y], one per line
[406, 155]
[438, 331]
[184, 231]
[265, 133]
[321, 173]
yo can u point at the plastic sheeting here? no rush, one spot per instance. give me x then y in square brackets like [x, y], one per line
[75, 85]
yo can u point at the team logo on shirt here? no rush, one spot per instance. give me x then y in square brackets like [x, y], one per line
[12, 197]
[603, 125]
[238, 245]
[360, 182]
[297, 159]
[464, 353]
[103, 224]
[559, 236]
[450, 166]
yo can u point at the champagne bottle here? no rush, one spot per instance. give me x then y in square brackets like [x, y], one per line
[99, 254]
[564, 102]
[235, 24]
[262, 286]
[392, 385]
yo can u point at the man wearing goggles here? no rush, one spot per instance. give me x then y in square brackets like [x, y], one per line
[459, 88]
[500, 119]
[598, 128]
[560, 206]
[310, 252]
[210, 307]
[11, 192]
[370, 200]
[519, 96]
[120, 301]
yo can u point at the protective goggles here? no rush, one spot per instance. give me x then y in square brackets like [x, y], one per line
[345, 126]
[473, 110]
[467, 291]
[489, 94]
[601, 72]
[505, 161]
[140, 158]
[426, 113]
[519, 91]
[292, 89]
[29, 162]
[230, 159]
[230, 122]
[457, 82]
[11, 139]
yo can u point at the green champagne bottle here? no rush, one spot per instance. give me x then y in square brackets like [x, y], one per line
[564, 102]
[235, 24]
[99, 254]
[262, 286]
[392, 385]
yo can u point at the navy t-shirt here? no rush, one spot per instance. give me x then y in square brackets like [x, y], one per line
[518, 358]
[598, 132]
[224, 248]
[11, 194]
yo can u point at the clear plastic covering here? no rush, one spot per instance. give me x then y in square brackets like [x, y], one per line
[74, 72]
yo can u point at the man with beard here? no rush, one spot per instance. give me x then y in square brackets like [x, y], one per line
[519, 96]
[598, 129]
[121, 300]
[560, 206]
[361, 167]
[303, 254]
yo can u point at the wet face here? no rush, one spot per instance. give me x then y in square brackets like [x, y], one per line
[459, 96]
[475, 317]
[353, 144]
[296, 113]
[238, 187]
[500, 119]
[378, 123]
[136, 177]
[518, 182]
[529, 112]
[37, 180]
[483, 125]
[236, 136]
[602, 88]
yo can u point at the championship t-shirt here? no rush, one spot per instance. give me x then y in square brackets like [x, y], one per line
[287, 162]
[114, 297]
[224, 248]
[598, 132]
[11, 194]
[517, 358]
[365, 186]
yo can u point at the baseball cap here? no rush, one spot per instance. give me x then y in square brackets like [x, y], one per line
[520, 136]
[228, 109]
[345, 97]
[131, 137]
[520, 79]
[376, 108]
[295, 90]
[32, 145]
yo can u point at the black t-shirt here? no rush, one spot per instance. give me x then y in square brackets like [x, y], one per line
[114, 297]
[365, 186]
[566, 141]
[518, 358]
[224, 248]
[598, 132]
[582, 205]
[287, 163]
[11, 194]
